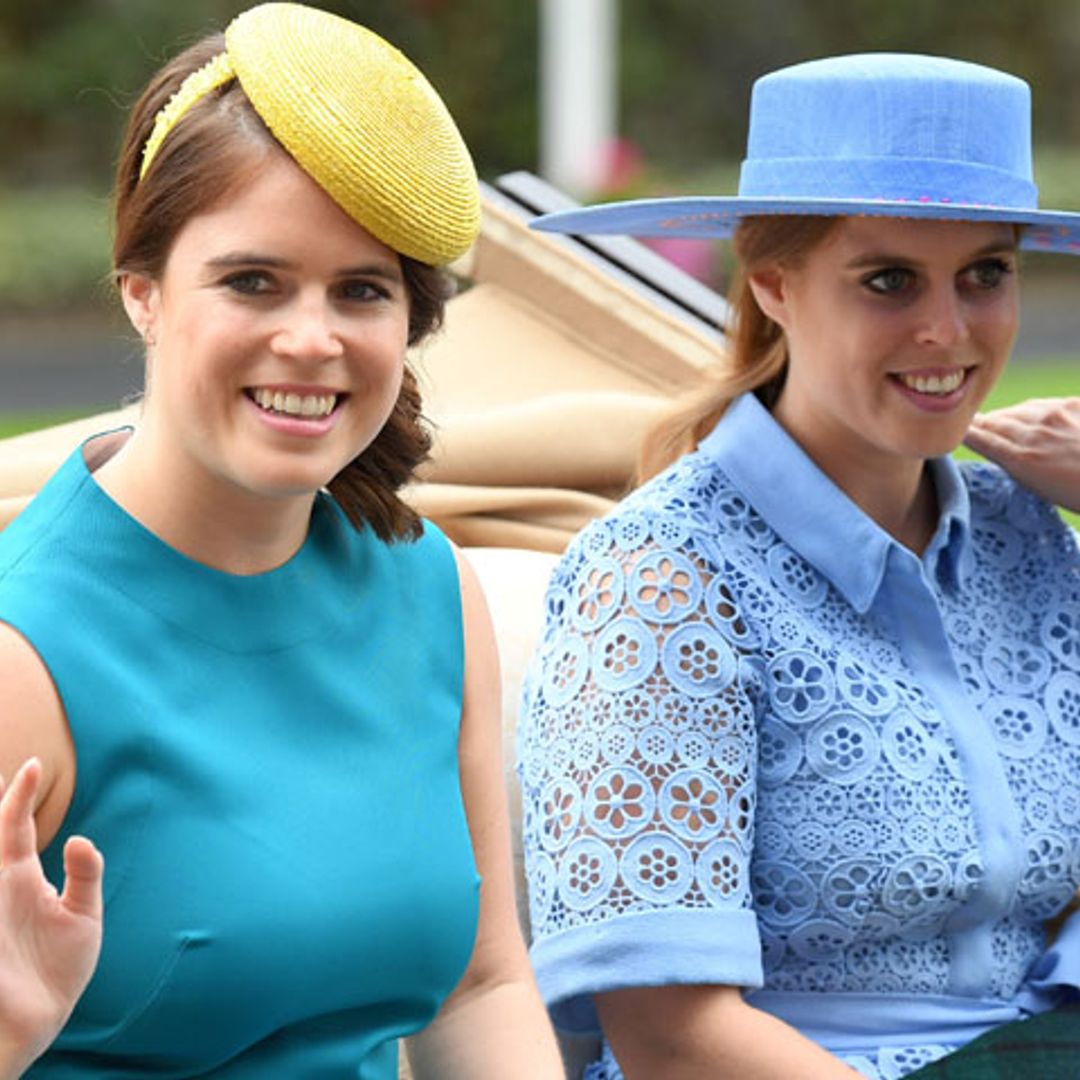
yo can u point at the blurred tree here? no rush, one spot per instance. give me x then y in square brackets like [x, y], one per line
[70, 68]
[481, 57]
[688, 66]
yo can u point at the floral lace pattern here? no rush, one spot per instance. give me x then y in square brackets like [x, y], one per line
[708, 724]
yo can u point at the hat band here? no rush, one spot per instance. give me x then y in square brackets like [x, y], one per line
[194, 88]
[887, 179]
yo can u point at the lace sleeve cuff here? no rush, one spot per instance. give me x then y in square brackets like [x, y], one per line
[654, 948]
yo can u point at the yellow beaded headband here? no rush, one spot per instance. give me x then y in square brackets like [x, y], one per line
[356, 116]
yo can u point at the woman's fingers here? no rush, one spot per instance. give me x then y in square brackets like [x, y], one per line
[1041, 423]
[84, 868]
[985, 440]
[1038, 442]
[18, 835]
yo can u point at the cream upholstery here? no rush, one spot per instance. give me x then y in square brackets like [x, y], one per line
[514, 581]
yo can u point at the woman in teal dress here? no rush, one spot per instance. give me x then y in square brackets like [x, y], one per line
[253, 696]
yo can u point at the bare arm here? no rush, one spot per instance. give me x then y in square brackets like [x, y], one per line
[1038, 442]
[32, 724]
[494, 1024]
[708, 1033]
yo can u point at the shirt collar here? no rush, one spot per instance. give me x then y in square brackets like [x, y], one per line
[813, 516]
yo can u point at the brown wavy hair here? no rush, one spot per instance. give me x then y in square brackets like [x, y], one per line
[756, 353]
[217, 148]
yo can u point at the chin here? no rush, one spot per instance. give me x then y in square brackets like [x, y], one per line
[905, 451]
[289, 483]
[937, 439]
[934, 448]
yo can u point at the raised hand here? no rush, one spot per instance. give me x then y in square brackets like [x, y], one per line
[1038, 442]
[49, 943]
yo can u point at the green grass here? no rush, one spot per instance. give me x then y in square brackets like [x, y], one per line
[1029, 379]
[19, 423]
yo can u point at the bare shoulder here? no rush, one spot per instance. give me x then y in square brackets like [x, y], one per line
[481, 653]
[472, 593]
[34, 724]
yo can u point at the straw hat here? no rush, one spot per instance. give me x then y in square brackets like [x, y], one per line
[357, 116]
[882, 134]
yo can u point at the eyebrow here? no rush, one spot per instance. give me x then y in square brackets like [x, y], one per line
[872, 259]
[235, 259]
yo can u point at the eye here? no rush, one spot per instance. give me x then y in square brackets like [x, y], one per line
[249, 282]
[987, 273]
[891, 280]
[362, 290]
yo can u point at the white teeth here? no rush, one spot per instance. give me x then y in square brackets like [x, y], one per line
[292, 404]
[933, 384]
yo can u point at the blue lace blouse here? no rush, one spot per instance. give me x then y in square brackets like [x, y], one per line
[765, 745]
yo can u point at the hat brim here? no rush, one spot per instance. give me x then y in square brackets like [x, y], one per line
[716, 217]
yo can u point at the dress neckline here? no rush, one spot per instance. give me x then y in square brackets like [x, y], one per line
[252, 612]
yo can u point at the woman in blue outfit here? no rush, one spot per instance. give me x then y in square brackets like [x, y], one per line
[257, 697]
[801, 742]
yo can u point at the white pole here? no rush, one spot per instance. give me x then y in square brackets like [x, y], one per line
[577, 91]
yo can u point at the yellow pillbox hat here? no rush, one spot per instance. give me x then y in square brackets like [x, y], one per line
[357, 116]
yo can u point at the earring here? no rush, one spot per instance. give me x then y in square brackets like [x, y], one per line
[149, 340]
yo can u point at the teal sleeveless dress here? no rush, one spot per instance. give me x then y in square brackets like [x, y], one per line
[269, 765]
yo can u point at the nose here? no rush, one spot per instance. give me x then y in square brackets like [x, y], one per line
[943, 318]
[307, 332]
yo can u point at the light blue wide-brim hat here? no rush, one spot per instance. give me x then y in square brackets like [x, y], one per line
[880, 134]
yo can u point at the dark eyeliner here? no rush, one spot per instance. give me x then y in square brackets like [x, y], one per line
[1001, 267]
[247, 282]
[903, 274]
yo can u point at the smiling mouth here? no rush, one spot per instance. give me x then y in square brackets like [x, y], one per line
[935, 385]
[307, 406]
